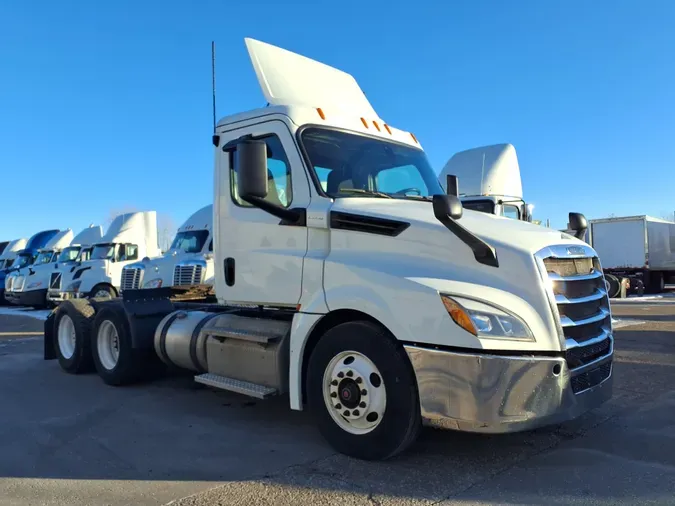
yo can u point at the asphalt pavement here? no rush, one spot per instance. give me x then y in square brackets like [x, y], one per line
[71, 440]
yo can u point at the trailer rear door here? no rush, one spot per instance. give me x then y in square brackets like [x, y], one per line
[621, 243]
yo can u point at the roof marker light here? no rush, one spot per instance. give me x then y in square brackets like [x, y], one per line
[376, 125]
[365, 123]
[323, 116]
[387, 128]
[414, 138]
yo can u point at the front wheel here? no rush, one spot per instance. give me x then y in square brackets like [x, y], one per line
[362, 391]
[103, 292]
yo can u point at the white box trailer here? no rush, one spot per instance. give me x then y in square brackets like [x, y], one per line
[635, 247]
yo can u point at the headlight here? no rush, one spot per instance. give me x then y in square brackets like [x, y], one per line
[74, 286]
[153, 283]
[485, 320]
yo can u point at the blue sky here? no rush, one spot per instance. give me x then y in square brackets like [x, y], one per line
[106, 106]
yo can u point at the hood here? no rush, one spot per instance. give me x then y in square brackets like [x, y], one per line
[498, 232]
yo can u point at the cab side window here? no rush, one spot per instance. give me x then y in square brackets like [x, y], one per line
[511, 212]
[279, 184]
[127, 252]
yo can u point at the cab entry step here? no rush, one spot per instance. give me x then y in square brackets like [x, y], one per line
[238, 386]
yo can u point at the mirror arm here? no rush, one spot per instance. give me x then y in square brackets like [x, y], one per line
[289, 216]
[482, 251]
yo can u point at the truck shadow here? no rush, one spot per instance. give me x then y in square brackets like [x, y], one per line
[57, 426]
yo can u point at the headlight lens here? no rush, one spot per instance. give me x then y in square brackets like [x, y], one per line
[153, 283]
[74, 286]
[485, 320]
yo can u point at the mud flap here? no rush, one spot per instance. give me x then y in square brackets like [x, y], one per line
[48, 337]
[145, 308]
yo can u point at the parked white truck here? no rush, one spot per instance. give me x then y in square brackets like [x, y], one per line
[377, 303]
[28, 285]
[188, 264]
[10, 251]
[491, 182]
[640, 248]
[32, 283]
[129, 237]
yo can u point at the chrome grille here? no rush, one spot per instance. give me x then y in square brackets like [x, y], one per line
[580, 300]
[55, 281]
[187, 275]
[131, 278]
[17, 284]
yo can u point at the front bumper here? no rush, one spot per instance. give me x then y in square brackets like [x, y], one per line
[56, 296]
[497, 394]
[29, 298]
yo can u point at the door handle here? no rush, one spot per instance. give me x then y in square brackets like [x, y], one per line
[229, 271]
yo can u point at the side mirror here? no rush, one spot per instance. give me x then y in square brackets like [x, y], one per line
[251, 161]
[578, 224]
[447, 206]
[452, 185]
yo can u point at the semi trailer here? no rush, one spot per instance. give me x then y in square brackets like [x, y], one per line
[24, 257]
[639, 249]
[348, 281]
[187, 266]
[30, 286]
[129, 237]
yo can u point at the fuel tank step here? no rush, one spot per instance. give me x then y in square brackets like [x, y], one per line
[238, 386]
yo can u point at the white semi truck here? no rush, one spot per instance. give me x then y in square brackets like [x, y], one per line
[24, 286]
[491, 182]
[349, 281]
[62, 252]
[129, 237]
[187, 265]
[10, 251]
[639, 249]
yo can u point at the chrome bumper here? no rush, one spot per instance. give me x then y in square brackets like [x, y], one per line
[56, 297]
[496, 394]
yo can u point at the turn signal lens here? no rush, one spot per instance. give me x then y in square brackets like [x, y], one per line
[459, 315]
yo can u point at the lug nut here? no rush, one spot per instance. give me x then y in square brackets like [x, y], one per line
[364, 392]
[346, 412]
[359, 380]
[334, 383]
[350, 373]
[356, 412]
[338, 406]
[341, 374]
[333, 394]
[362, 405]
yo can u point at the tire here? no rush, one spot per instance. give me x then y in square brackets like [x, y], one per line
[656, 283]
[72, 336]
[124, 366]
[99, 290]
[613, 285]
[400, 423]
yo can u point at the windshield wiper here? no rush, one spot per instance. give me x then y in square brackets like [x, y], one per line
[365, 192]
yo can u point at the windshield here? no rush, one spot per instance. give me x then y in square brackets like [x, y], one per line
[103, 251]
[23, 260]
[44, 258]
[190, 242]
[352, 165]
[2, 264]
[69, 254]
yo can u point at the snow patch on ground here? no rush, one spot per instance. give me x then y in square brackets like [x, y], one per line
[663, 297]
[38, 314]
[617, 323]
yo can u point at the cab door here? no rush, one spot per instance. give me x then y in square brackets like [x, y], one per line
[260, 258]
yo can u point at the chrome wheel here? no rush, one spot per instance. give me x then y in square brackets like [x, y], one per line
[108, 345]
[102, 294]
[66, 336]
[354, 392]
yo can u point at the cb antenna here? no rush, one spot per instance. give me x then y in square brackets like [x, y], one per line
[215, 138]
